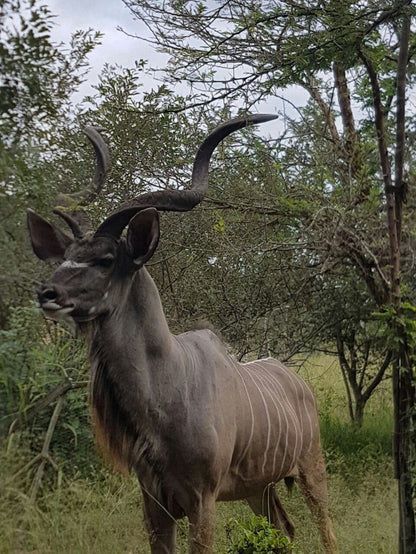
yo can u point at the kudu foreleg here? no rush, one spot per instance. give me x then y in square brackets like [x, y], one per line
[202, 527]
[160, 525]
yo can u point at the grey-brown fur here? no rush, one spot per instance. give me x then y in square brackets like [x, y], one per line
[194, 425]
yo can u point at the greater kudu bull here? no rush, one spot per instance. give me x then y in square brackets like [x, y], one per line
[194, 425]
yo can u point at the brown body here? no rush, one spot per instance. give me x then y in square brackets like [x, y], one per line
[194, 425]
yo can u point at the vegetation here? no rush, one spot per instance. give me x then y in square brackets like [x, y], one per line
[258, 537]
[357, 52]
[293, 235]
[69, 514]
[348, 144]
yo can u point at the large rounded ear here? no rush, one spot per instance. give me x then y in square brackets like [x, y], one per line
[48, 242]
[143, 236]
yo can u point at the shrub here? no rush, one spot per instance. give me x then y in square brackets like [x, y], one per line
[256, 537]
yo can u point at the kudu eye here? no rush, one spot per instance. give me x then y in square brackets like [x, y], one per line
[105, 261]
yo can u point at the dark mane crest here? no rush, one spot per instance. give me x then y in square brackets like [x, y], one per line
[113, 431]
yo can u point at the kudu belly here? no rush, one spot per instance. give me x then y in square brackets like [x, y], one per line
[266, 456]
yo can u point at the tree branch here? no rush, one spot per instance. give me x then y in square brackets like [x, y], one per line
[378, 377]
[326, 110]
[387, 178]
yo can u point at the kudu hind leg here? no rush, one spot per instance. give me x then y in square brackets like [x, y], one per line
[267, 504]
[313, 484]
[160, 525]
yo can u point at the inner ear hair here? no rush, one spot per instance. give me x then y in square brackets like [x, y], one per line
[143, 235]
[48, 242]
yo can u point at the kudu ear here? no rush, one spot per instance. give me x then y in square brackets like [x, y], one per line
[48, 242]
[143, 235]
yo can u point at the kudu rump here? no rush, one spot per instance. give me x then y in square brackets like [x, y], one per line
[195, 425]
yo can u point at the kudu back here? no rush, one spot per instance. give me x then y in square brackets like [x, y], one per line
[178, 410]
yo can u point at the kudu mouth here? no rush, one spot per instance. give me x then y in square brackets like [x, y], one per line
[53, 304]
[52, 310]
[58, 312]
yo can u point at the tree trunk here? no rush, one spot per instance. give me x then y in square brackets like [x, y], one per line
[403, 394]
[404, 391]
[359, 411]
[404, 402]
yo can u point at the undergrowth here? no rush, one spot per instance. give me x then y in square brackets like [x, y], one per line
[354, 452]
[256, 536]
[94, 511]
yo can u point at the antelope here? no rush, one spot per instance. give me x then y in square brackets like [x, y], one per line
[195, 425]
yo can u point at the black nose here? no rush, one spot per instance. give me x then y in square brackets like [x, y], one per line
[47, 293]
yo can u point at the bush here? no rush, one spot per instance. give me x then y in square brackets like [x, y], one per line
[36, 356]
[256, 537]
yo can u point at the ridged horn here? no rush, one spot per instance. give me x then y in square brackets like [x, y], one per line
[180, 200]
[102, 156]
[77, 218]
[71, 221]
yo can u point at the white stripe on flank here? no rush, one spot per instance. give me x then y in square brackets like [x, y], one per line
[236, 365]
[299, 414]
[267, 416]
[287, 410]
[264, 375]
[309, 418]
[279, 411]
[304, 387]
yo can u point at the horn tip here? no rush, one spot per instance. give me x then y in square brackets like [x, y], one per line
[263, 117]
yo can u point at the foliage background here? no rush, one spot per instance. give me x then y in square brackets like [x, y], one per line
[286, 257]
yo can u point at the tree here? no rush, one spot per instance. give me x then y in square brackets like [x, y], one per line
[260, 313]
[37, 81]
[38, 76]
[36, 84]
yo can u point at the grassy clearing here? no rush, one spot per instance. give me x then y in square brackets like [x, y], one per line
[103, 514]
[104, 517]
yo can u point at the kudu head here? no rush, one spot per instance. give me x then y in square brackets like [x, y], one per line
[93, 265]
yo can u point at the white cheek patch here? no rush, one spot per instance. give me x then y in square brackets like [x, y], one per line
[72, 264]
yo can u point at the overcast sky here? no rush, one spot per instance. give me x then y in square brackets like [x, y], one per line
[105, 16]
[118, 48]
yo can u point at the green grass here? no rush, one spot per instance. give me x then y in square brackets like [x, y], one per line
[102, 515]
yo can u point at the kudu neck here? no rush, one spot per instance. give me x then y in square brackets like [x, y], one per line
[137, 325]
[145, 310]
[132, 357]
